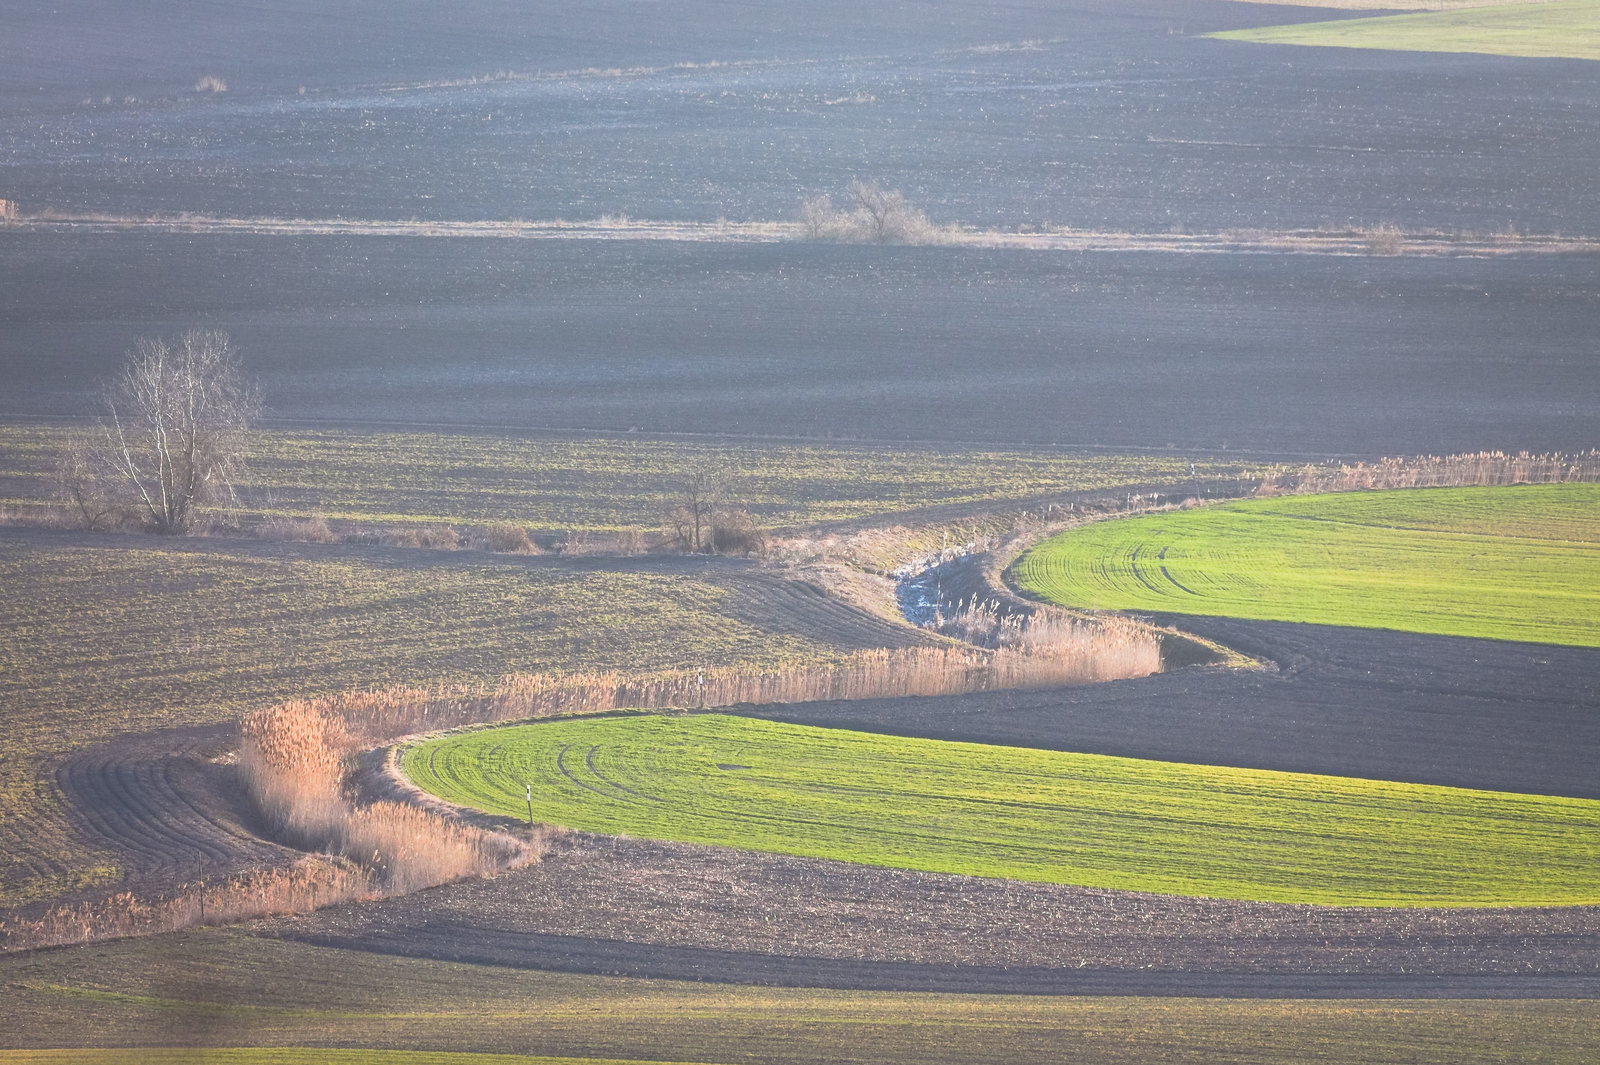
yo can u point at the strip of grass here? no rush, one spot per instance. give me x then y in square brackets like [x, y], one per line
[1025, 814]
[287, 1056]
[611, 483]
[203, 987]
[1520, 563]
[1566, 28]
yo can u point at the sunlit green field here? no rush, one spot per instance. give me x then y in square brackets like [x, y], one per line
[1026, 814]
[1569, 28]
[1520, 563]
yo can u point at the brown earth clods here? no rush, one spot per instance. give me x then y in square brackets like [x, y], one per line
[682, 911]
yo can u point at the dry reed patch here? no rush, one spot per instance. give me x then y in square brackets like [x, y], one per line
[296, 758]
[1477, 469]
[310, 883]
[293, 761]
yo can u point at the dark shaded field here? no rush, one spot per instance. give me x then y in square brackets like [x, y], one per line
[685, 912]
[1346, 702]
[1282, 354]
[229, 988]
[1094, 113]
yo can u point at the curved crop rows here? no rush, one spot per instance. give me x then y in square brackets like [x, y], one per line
[1520, 563]
[1091, 820]
[161, 804]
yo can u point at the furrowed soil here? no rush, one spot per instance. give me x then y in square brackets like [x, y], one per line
[555, 484]
[682, 911]
[1104, 116]
[113, 636]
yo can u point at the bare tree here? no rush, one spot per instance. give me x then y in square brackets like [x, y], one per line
[172, 434]
[704, 519]
[698, 497]
[83, 483]
[876, 214]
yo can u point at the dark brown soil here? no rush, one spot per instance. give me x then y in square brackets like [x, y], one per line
[1349, 702]
[167, 804]
[629, 907]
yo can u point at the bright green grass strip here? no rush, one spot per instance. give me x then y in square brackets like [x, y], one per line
[1568, 29]
[1518, 563]
[283, 1056]
[1025, 814]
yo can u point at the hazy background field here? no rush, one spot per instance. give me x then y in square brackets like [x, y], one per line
[1087, 114]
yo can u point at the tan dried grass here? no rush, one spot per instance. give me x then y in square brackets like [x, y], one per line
[1477, 469]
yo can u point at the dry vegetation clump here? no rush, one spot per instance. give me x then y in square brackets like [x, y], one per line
[873, 215]
[292, 761]
[311, 530]
[1479, 469]
[505, 539]
[1384, 239]
[311, 736]
[309, 883]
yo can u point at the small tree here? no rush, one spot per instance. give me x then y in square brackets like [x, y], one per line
[698, 497]
[172, 433]
[703, 518]
[83, 483]
[876, 215]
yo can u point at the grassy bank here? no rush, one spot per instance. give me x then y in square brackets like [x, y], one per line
[1516, 563]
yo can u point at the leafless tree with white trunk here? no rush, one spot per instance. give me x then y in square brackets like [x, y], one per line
[171, 437]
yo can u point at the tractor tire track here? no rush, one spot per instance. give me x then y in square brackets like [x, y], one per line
[164, 806]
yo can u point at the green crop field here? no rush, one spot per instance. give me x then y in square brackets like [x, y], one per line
[1567, 28]
[1026, 814]
[202, 987]
[287, 1056]
[1520, 563]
